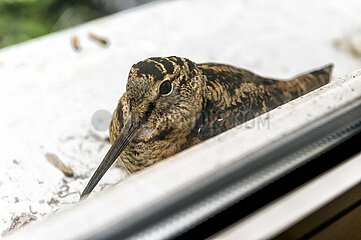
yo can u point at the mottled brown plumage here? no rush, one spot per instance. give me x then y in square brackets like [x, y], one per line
[204, 100]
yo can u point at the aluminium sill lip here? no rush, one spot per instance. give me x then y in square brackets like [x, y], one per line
[143, 190]
[261, 224]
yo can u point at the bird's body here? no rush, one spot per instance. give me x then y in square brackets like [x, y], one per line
[204, 100]
[173, 103]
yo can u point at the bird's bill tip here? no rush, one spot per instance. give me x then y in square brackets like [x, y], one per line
[127, 133]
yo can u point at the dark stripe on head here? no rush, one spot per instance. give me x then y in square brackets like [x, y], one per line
[146, 67]
[168, 65]
[176, 60]
[191, 65]
[148, 112]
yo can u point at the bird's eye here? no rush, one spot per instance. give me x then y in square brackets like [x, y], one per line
[165, 88]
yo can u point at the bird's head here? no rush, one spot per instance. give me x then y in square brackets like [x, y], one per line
[162, 95]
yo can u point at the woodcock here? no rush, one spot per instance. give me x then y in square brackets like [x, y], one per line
[172, 103]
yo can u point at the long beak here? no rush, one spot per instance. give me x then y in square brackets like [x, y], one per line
[125, 137]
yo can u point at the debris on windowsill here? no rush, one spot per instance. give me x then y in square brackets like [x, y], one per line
[56, 162]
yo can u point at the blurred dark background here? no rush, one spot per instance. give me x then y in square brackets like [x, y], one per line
[21, 20]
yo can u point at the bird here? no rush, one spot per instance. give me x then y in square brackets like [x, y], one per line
[172, 103]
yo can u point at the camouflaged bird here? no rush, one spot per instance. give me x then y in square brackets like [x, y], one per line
[173, 103]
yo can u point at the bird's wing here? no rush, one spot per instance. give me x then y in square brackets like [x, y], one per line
[235, 95]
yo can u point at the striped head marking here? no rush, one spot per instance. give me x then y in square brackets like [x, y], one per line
[159, 87]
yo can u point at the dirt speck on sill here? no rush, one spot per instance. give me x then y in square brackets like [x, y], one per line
[18, 222]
